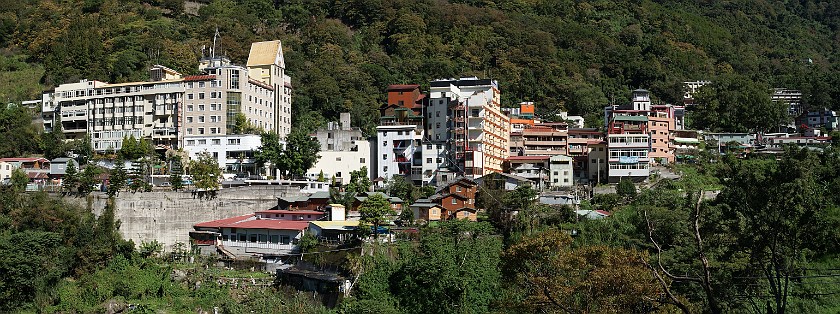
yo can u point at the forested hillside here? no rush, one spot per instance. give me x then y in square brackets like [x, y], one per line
[577, 54]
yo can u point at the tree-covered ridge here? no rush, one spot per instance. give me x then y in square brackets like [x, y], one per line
[579, 54]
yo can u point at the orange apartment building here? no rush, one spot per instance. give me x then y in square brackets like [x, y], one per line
[543, 139]
[661, 124]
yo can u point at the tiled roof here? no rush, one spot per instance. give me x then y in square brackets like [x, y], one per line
[37, 175]
[260, 84]
[192, 78]
[272, 224]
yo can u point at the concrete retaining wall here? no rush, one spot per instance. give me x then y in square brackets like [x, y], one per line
[168, 216]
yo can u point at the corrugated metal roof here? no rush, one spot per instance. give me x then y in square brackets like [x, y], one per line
[221, 222]
[272, 224]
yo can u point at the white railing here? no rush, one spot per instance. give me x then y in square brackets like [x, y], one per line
[259, 245]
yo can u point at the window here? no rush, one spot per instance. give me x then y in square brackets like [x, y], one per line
[201, 95]
[190, 142]
[189, 119]
[202, 142]
[440, 160]
[200, 119]
[189, 130]
[458, 189]
[428, 160]
[454, 201]
[200, 107]
[252, 238]
[189, 96]
[200, 130]
[338, 174]
[337, 158]
[214, 130]
[217, 142]
[384, 143]
[384, 156]
[437, 125]
[361, 160]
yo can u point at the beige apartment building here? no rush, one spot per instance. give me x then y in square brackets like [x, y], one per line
[213, 100]
[267, 65]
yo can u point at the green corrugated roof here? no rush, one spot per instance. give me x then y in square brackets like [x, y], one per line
[630, 118]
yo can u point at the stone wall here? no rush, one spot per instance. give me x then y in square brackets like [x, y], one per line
[168, 216]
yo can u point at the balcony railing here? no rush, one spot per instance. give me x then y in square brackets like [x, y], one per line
[262, 246]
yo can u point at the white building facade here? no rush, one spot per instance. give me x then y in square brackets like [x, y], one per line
[466, 114]
[398, 150]
[343, 149]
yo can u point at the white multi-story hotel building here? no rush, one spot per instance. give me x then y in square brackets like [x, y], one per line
[465, 114]
[110, 112]
[197, 113]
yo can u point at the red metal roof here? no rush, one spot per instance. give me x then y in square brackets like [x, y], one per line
[221, 222]
[293, 212]
[260, 84]
[190, 78]
[272, 224]
[30, 159]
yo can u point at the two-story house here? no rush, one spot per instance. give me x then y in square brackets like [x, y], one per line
[456, 200]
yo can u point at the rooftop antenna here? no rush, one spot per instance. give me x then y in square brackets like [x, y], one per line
[213, 51]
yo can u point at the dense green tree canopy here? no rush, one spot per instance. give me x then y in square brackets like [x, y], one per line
[734, 103]
[575, 55]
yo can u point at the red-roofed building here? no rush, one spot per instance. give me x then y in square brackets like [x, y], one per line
[261, 234]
